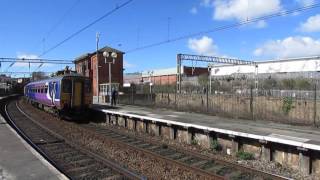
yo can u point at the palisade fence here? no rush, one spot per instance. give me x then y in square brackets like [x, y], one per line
[279, 98]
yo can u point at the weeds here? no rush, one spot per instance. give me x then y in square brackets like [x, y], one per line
[245, 155]
[215, 146]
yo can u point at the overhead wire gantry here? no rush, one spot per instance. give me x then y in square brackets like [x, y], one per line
[30, 61]
[210, 60]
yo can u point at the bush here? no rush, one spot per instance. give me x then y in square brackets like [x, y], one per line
[245, 155]
[194, 142]
[215, 146]
[287, 104]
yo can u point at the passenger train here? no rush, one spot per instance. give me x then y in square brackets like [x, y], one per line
[61, 94]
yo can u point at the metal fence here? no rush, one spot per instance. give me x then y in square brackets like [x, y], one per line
[289, 100]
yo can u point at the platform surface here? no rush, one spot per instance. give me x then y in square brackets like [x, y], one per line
[19, 161]
[304, 136]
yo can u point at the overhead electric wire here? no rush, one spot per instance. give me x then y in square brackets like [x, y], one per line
[57, 24]
[225, 27]
[53, 28]
[33, 60]
[86, 27]
[29, 61]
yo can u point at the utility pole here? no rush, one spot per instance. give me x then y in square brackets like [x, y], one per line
[97, 63]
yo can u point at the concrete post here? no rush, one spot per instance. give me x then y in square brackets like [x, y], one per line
[209, 140]
[235, 146]
[265, 153]
[107, 119]
[144, 126]
[172, 131]
[304, 162]
[189, 139]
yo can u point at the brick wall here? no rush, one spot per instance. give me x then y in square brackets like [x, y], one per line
[162, 80]
[116, 71]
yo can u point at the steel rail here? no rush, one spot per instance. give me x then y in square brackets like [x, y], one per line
[160, 157]
[207, 157]
[10, 120]
[112, 165]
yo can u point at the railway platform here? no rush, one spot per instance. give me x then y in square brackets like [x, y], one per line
[297, 146]
[18, 160]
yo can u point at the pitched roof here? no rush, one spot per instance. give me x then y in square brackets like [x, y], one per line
[83, 56]
[110, 49]
[106, 48]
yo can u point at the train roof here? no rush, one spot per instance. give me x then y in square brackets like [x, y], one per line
[57, 78]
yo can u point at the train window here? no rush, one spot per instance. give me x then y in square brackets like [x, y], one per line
[46, 89]
[87, 86]
[67, 86]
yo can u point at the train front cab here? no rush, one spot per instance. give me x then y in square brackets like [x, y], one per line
[75, 93]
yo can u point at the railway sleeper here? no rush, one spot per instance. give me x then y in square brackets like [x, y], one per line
[76, 169]
[145, 146]
[98, 175]
[61, 150]
[199, 163]
[64, 154]
[55, 147]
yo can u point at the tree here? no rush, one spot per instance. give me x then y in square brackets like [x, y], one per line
[303, 84]
[203, 80]
[269, 83]
[288, 84]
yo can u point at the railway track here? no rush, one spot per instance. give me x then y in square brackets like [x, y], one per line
[74, 161]
[61, 150]
[216, 168]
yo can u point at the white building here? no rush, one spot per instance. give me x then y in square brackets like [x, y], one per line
[305, 64]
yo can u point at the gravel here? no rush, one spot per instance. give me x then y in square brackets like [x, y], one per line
[147, 165]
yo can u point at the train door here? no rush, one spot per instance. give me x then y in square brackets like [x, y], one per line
[77, 93]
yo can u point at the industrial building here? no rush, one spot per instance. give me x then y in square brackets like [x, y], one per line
[294, 65]
[163, 76]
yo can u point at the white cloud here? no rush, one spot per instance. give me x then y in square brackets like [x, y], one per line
[311, 25]
[306, 2]
[206, 3]
[26, 64]
[126, 64]
[261, 24]
[203, 46]
[289, 47]
[244, 9]
[194, 10]
[27, 56]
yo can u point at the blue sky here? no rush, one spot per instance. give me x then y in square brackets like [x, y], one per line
[24, 25]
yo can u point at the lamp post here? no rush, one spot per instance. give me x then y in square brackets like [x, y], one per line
[150, 80]
[209, 72]
[113, 55]
[97, 64]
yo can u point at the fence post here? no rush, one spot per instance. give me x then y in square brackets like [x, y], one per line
[131, 93]
[207, 98]
[175, 98]
[251, 102]
[315, 105]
